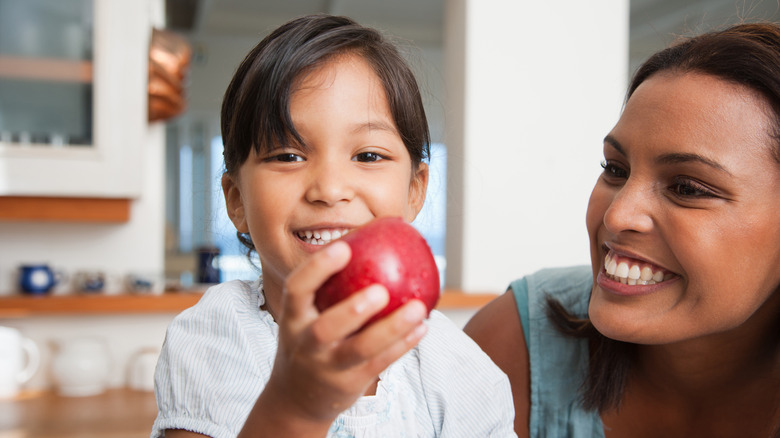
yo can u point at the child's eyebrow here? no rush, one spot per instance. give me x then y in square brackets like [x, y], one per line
[374, 125]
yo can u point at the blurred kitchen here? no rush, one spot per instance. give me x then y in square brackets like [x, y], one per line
[111, 216]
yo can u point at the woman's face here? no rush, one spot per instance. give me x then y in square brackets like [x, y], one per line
[684, 223]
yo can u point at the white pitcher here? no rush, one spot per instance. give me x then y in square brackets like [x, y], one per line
[19, 360]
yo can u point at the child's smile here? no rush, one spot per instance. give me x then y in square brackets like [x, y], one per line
[321, 236]
[351, 167]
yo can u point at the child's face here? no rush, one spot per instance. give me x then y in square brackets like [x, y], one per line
[354, 168]
[690, 191]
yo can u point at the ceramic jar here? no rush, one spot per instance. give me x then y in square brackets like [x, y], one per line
[81, 366]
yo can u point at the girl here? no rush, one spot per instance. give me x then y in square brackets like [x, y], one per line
[324, 130]
[674, 329]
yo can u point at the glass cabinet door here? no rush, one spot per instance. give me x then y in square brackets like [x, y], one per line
[46, 72]
[73, 77]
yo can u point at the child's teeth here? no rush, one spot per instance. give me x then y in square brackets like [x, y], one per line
[321, 237]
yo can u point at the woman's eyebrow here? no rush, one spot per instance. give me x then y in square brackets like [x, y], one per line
[679, 158]
[609, 139]
[672, 158]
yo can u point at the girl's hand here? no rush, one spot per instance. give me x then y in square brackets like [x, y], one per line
[322, 366]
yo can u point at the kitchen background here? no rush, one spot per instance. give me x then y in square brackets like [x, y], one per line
[519, 95]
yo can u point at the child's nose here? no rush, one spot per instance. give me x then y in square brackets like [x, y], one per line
[329, 184]
[631, 209]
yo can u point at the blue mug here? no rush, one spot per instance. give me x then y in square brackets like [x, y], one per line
[36, 279]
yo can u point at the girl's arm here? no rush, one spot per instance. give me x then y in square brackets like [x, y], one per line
[321, 366]
[497, 329]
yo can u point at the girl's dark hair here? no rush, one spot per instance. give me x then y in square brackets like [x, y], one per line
[746, 54]
[256, 106]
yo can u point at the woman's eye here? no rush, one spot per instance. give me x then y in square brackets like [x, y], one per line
[687, 188]
[612, 170]
[368, 157]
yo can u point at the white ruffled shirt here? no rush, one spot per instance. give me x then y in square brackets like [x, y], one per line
[218, 356]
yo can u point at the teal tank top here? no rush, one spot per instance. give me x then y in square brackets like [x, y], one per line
[559, 363]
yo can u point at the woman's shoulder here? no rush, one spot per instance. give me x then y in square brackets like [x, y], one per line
[568, 285]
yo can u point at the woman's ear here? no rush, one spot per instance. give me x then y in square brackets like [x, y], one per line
[234, 203]
[417, 190]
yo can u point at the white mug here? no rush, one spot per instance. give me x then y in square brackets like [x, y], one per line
[19, 359]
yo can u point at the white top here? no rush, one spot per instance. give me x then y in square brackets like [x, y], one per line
[218, 355]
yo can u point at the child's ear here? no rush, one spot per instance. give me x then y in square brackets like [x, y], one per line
[417, 190]
[234, 203]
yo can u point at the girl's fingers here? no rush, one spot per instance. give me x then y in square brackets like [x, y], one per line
[310, 275]
[347, 316]
[382, 336]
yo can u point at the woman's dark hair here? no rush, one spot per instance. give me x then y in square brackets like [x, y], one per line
[256, 106]
[745, 54]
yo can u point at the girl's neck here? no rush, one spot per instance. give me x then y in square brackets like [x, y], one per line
[273, 298]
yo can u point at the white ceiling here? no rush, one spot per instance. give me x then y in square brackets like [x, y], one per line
[418, 20]
[653, 23]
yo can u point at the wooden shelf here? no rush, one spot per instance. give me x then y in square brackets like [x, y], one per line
[22, 306]
[53, 209]
[45, 69]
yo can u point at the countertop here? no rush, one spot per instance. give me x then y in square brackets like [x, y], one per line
[117, 413]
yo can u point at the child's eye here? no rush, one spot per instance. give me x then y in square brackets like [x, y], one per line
[285, 158]
[368, 157]
[687, 188]
[613, 171]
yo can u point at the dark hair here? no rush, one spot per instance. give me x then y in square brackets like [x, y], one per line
[256, 106]
[745, 54]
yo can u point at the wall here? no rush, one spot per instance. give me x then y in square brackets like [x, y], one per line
[135, 246]
[533, 88]
[531, 91]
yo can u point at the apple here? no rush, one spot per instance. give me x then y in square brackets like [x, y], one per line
[391, 252]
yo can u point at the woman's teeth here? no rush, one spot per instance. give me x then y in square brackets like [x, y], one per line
[321, 237]
[633, 273]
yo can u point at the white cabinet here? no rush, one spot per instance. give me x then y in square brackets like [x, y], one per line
[104, 159]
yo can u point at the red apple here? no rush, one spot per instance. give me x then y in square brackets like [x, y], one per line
[391, 252]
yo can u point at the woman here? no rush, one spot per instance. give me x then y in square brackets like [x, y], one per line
[673, 330]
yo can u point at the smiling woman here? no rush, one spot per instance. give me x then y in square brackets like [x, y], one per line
[674, 326]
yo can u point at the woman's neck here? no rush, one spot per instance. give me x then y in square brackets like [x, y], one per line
[717, 362]
[725, 384]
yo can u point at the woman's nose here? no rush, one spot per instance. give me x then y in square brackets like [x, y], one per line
[631, 209]
[330, 184]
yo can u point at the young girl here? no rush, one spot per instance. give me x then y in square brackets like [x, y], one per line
[674, 331]
[324, 130]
